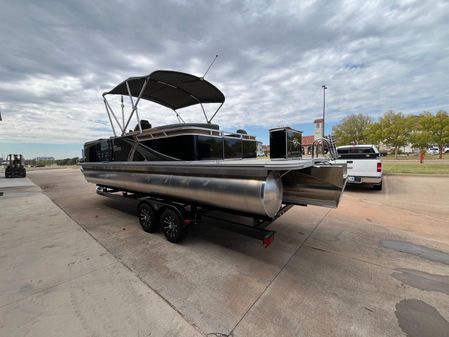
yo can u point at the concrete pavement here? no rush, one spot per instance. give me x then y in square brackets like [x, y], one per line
[363, 269]
[56, 280]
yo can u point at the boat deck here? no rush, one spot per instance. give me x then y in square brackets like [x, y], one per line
[255, 163]
[250, 167]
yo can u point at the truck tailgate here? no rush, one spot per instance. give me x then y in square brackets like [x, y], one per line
[361, 167]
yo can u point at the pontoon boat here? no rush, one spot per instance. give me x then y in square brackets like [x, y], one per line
[198, 163]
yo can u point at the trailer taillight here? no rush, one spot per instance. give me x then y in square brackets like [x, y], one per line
[267, 240]
[379, 167]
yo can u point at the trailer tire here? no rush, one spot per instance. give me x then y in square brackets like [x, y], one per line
[147, 218]
[172, 223]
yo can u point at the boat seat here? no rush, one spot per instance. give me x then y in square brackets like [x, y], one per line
[144, 124]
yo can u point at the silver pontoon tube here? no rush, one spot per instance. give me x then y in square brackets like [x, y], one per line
[262, 197]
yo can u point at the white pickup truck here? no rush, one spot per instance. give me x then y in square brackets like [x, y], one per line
[363, 163]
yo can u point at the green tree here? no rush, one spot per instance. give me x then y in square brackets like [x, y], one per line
[74, 161]
[420, 137]
[352, 130]
[67, 161]
[438, 128]
[393, 129]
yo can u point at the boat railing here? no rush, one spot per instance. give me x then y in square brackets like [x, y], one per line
[188, 130]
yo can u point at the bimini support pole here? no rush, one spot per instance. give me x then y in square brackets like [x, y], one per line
[109, 116]
[178, 116]
[135, 105]
[204, 112]
[210, 120]
[112, 112]
[123, 110]
[134, 108]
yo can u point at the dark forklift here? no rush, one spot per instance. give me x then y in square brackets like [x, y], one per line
[15, 168]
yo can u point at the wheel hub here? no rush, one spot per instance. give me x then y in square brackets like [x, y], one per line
[170, 226]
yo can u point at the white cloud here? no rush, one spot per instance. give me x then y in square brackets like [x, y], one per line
[58, 58]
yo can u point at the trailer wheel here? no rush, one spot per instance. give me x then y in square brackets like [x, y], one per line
[147, 218]
[173, 225]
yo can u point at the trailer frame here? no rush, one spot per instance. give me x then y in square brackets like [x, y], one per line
[175, 216]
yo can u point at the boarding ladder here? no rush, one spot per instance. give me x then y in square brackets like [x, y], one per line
[322, 144]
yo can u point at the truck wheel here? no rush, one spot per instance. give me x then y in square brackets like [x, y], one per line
[173, 225]
[377, 187]
[147, 218]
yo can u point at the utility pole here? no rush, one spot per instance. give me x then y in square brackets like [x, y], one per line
[324, 108]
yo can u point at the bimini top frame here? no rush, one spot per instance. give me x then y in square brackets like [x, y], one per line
[172, 89]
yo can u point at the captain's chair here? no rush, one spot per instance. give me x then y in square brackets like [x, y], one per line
[144, 124]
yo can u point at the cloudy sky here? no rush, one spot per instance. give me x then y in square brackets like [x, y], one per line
[57, 57]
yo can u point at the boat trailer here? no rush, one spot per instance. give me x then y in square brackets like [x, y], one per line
[175, 217]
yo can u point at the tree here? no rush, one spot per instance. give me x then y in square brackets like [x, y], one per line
[352, 130]
[438, 128]
[67, 161]
[74, 161]
[420, 137]
[393, 129]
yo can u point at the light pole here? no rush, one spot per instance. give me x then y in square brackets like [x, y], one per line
[324, 107]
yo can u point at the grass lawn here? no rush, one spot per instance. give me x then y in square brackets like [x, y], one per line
[415, 167]
[415, 157]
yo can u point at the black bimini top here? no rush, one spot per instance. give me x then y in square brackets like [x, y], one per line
[172, 89]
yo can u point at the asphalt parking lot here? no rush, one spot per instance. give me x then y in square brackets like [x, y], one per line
[79, 264]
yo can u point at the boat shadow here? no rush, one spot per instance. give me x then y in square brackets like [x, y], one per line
[128, 206]
[210, 231]
[360, 189]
